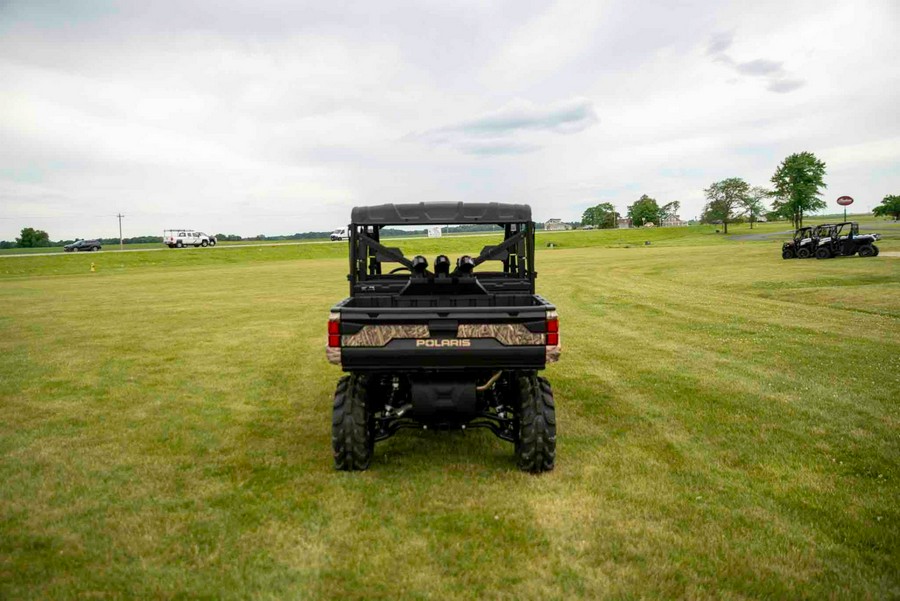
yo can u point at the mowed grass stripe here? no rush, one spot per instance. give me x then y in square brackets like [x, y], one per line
[709, 443]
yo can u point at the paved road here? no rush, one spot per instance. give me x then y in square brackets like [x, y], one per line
[744, 237]
[150, 250]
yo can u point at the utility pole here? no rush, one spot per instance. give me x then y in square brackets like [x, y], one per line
[121, 242]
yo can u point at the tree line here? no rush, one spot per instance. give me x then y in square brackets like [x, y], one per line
[796, 191]
[35, 238]
[644, 210]
[797, 186]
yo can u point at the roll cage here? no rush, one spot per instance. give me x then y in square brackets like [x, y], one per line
[803, 233]
[836, 230]
[374, 266]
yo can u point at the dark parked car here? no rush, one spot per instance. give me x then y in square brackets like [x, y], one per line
[82, 245]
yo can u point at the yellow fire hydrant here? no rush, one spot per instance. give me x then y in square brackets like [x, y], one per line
[93, 268]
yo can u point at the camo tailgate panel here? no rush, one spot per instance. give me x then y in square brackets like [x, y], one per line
[381, 335]
[509, 334]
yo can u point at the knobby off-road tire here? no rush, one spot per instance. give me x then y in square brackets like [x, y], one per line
[866, 251]
[787, 254]
[536, 440]
[352, 439]
[875, 248]
[823, 253]
[804, 253]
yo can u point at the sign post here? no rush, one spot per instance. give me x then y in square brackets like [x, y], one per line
[845, 201]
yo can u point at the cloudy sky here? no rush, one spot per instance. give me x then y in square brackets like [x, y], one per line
[277, 117]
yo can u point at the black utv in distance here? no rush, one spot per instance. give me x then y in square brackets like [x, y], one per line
[801, 246]
[844, 240]
[443, 344]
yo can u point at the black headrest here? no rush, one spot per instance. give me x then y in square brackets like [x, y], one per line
[420, 264]
[465, 264]
[442, 265]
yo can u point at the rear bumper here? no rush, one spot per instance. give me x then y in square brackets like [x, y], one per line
[407, 355]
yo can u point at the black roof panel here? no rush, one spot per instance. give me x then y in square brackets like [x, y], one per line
[424, 213]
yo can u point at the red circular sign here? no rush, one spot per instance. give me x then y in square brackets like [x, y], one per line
[844, 201]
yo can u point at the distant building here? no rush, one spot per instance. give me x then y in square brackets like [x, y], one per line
[672, 221]
[623, 223]
[556, 225]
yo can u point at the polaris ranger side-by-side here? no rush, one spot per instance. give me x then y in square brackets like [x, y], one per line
[443, 344]
[801, 246]
[844, 240]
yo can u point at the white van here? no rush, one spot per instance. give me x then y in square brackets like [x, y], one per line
[181, 238]
[341, 233]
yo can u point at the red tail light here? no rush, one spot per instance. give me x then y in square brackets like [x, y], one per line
[334, 333]
[552, 331]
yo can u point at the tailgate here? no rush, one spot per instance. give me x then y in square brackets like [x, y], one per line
[444, 338]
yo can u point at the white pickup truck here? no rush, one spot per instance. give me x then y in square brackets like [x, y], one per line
[182, 238]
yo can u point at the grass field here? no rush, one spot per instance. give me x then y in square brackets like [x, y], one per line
[728, 427]
[139, 246]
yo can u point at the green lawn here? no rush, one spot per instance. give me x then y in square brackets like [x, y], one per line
[728, 428]
[141, 246]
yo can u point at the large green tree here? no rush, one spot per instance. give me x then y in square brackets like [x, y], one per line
[670, 209]
[31, 238]
[754, 203]
[726, 200]
[889, 207]
[645, 210]
[602, 215]
[798, 184]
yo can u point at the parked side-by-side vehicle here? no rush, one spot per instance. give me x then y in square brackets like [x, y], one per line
[830, 240]
[844, 240]
[801, 246]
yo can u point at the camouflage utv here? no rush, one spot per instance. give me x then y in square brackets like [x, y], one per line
[444, 345]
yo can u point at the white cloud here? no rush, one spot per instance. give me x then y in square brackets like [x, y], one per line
[760, 67]
[783, 86]
[275, 117]
[520, 126]
[556, 35]
[774, 72]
